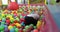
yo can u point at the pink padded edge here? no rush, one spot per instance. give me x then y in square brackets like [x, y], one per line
[54, 27]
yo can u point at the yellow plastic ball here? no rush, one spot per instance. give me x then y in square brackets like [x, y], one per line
[3, 14]
[12, 12]
[17, 24]
[39, 23]
[10, 27]
[9, 16]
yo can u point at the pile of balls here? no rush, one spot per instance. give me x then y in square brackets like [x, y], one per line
[13, 21]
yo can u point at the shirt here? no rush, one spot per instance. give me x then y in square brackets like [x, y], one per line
[35, 16]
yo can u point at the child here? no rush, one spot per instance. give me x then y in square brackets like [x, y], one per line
[31, 19]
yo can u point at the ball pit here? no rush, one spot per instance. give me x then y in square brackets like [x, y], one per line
[15, 22]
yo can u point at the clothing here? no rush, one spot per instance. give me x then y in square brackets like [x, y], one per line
[31, 19]
[35, 16]
[57, 1]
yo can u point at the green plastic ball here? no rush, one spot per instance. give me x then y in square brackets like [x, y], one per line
[35, 27]
[16, 30]
[1, 28]
[26, 27]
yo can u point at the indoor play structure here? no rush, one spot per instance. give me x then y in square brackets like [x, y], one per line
[12, 18]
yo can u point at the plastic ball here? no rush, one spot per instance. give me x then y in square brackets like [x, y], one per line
[20, 10]
[16, 30]
[3, 19]
[12, 20]
[9, 15]
[1, 28]
[13, 24]
[39, 23]
[29, 11]
[24, 30]
[35, 27]
[15, 14]
[22, 24]
[21, 16]
[22, 20]
[20, 30]
[18, 25]
[8, 21]
[13, 6]
[12, 30]
[3, 14]
[2, 22]
[35, 30]
[6, 26]
[31, 25]
[6, 30]
[10, 27]
[2, 31]
[26, 27]
[17, 19]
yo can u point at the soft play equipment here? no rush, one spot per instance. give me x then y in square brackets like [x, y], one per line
[15, 22]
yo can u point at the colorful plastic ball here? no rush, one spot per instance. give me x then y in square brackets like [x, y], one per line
[22, 24]
[6, 30]
[18, 25]
[16, 30]
[24, 30]
[8, 21]
[2, 22]
[13, 24]
[39, 23]
[1, 28]
[20, 10]
[6, 26]
[35, 30]
[41, 17]
[9, 15]
[13, 6]
[35, 27]
[15, 14]
[22, 20]
[2, 31]
[20, 30]
[17, 19]
[31, 25]
[10, 27]
[12, 20]
[12, 30]
[3, 19]
[26, 27]
[3, 14]
[21, 16]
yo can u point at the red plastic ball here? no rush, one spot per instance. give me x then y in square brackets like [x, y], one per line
[8, 21]
[35, 30]
[13, 6]
[22, 20]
